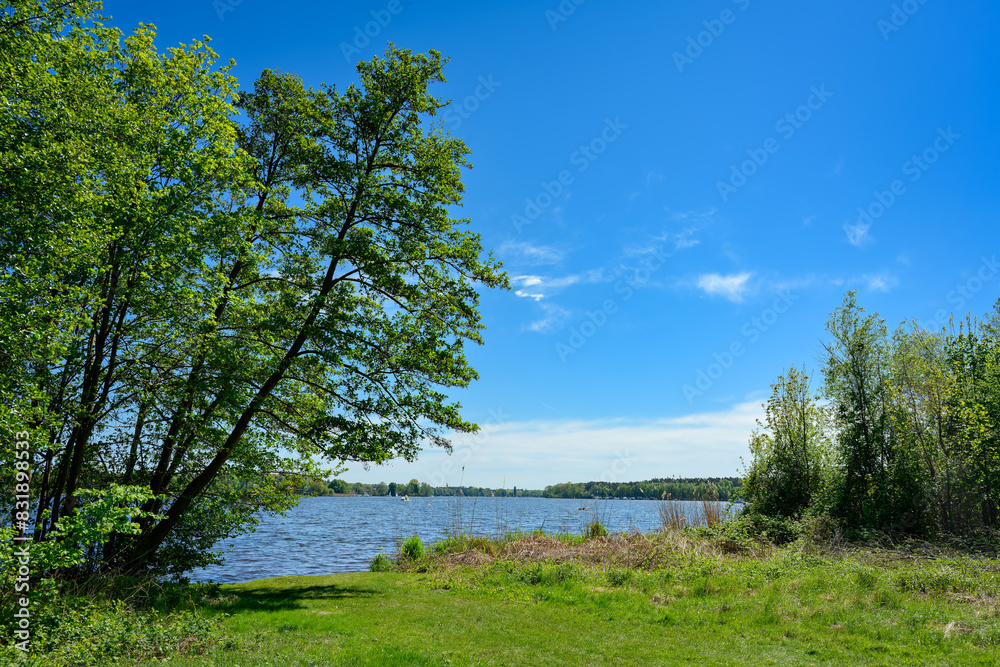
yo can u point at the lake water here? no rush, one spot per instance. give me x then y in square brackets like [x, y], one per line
[330, 534]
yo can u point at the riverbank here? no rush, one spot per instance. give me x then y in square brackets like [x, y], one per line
[631, 600]
[330, 535]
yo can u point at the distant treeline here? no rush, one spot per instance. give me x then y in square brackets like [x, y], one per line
[319, 487]
[722, 488]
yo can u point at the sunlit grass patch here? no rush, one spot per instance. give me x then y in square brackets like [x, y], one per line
[530, 598]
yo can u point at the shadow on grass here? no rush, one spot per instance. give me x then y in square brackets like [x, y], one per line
[288, 597]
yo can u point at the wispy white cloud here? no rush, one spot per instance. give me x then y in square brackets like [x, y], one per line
[857, 234]
[701, 218]
[880, 282]
[685, 239]
[534, 454]
[528, 253]
[552, 318]
[540, 287]
[793, 284]
[665, 241]
[733, 287]
[690, 222]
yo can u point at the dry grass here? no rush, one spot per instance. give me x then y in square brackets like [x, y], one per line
[672, 515]
[711, 508]
[957, 628]
[633, 550]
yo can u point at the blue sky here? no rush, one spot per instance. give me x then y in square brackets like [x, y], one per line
[680, 194]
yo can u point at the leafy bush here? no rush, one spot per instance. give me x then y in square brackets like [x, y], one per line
[70, 631]
[786, 466]
[108, 511]
[380, 563]
[595, 529]
[413, 549]
[749, 525]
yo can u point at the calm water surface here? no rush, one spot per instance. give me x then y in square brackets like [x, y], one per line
[342, 534]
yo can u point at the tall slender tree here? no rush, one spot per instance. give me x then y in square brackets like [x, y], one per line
[786, 468]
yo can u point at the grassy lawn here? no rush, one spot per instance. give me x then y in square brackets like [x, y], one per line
[540, 601]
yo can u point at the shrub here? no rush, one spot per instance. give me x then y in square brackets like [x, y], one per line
[380, 563]
[595, 529]
[413, 548]
[107, 512]
[71, 631]
[785, 470]
[775, 529]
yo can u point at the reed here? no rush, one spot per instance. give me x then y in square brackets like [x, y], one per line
[595, 529]
[711, 508]
[459, 514]
[596, 525]
[672, 515]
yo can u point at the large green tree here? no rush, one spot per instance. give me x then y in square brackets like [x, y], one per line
[233, 286]
[912, 424]
[856, 384]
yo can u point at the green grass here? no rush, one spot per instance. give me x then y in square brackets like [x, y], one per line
[789, 608]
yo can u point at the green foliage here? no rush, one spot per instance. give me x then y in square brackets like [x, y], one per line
[413, 549]
[338, 485]
[726, 489]
[315, 486]
[109, 512]
[786, 466]
[381, 563]
[595, 529]
[908, 440]
[506, 572]
[75, 627]
[857, 371]
[113, 634]
[750, 525]
[200, 287]
[723, 488]
[548, 574]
